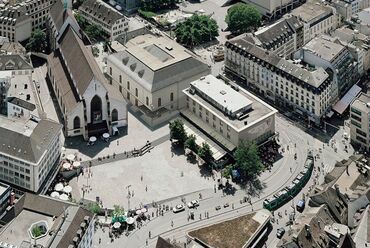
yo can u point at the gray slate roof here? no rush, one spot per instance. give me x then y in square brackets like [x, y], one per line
[313, 78]
[20, 62]
[100, 11]
[29, 148]
[21, 103]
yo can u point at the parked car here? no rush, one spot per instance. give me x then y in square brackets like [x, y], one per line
[280, 232]
[193, 204]
[218, 207]
[178, 208]
[226, 205]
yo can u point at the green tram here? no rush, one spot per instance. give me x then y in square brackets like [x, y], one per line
[287, 193]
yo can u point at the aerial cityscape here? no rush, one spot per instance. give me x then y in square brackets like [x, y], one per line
[184, 123]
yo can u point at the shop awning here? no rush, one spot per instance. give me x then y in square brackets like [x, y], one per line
[346, 100]
[218, 152]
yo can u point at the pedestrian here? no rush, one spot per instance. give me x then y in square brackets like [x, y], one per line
[141, 178]
[99, 240]
[117, 142]
[133, 193]
[146, 188]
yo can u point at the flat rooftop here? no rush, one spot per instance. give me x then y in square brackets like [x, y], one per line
[222, 94]
[364, 16]
[310, 11]
[21, 88]
[235, 233]
[18, 125]
[362, 102]
[259, 109]
[3, 187]
[17, 231]
[324, 48]
[156, 52]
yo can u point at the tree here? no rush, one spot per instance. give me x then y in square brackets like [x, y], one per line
[205, 152]
[94, 31]
[37, 42]
[247, 160]
[94, 207]
[242, 18]
[196, 30]
[177, 131]
[191, 144]
[81, 21]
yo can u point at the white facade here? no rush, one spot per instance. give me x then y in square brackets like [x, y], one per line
[347, 8]
[18, 170]
[111, 21]
[317, 18]
[272, 8]
[257, 127]
[308, 92]
[153, 82]
[360, 121]
[39, 11]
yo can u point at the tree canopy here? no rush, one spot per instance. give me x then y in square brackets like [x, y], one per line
[191, 144]
[177, 131]
[155, 5]
[242, 18]
[205, 152]
[37, 42]
[196, 30]
[247, 160]
[92, 31]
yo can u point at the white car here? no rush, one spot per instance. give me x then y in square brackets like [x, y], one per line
[193, 204]
[178, 208]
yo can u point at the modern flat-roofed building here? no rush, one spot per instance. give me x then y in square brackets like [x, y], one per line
[5, 191]
[360, 121]
[29, 151]
[65, 224]
[305, 90]
[273, 9]
[317, 18]
[229, 115]
[247, 231]
[110, 20]
[151, 73]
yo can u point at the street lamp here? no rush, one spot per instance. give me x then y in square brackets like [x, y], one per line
[128, 197]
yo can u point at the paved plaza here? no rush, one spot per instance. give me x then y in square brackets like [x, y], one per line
[134, 136]
[164, 175]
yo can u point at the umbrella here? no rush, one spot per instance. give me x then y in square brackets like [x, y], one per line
[116, 225]
[66, 166]
[55, 194]
[138, 212]
[67, 189]
[143, 210]
[70, 157]
[130, 220]
[105, 135]
[59, 187]
[76, 164]
[63, 197]
[92, 139]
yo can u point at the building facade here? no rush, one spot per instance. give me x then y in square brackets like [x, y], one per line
[89, 105]
[317, 18]
[111, 21]
[29, 151]
[347, 8]
[233, 113]
[307, 91]
[272, 9]
[360, 121]
[151, 73]
[333, 57]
